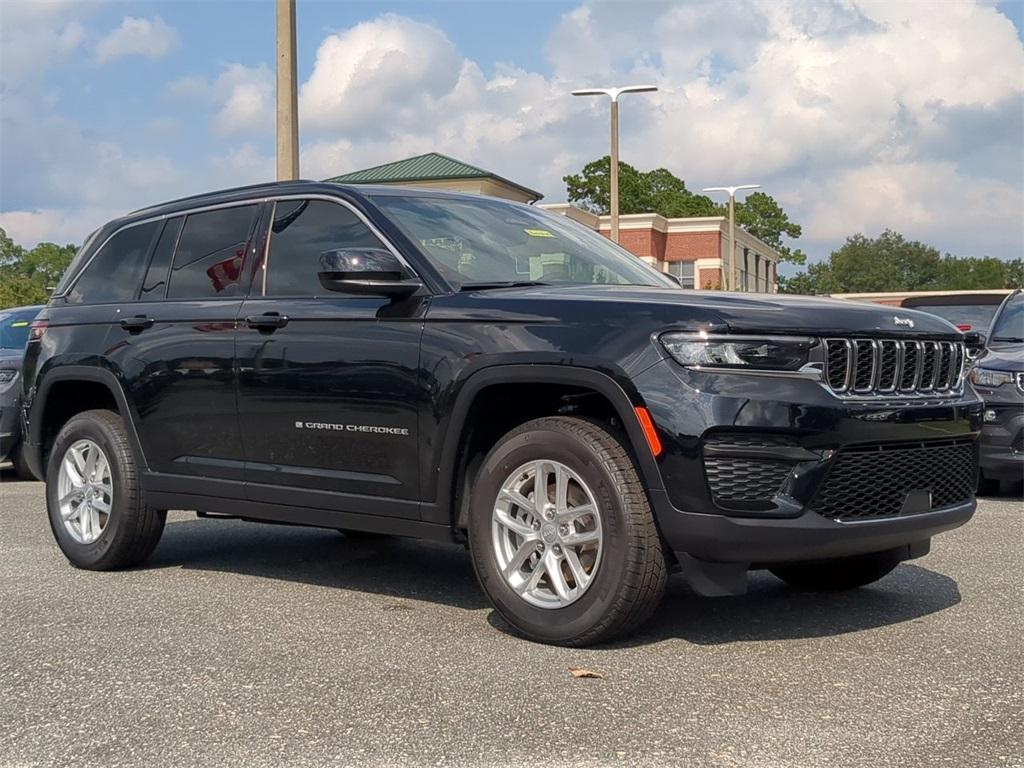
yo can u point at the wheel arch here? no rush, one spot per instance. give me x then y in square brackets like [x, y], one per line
[48, 416]
[452, 461]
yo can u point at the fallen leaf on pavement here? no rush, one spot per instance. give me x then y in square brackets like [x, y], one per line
[584, 672]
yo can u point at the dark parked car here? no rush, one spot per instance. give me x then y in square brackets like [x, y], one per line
[998, 375]
[456, 367]
[14, 326]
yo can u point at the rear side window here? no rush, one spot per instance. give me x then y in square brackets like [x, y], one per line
[300, 232]
[210, 259]
[115, 272]
[154, 287]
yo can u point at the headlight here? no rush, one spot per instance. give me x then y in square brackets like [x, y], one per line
[986, 377]
[766, 353]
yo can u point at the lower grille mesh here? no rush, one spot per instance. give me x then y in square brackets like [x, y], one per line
[736, 479]
[873, 481]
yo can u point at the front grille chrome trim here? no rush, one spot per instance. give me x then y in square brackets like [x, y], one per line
[923, 368]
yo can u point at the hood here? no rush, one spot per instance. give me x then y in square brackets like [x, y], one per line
[755, 313]
[1002, 357]
[11, 358]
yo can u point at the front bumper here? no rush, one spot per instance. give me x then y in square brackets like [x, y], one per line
[10, 430]
[1002, 442]
[801, 432]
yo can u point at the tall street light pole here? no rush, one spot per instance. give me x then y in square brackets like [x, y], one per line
[733, 273]
[613, 179]
[287, 94]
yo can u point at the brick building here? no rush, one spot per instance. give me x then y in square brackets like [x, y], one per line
[692, 249]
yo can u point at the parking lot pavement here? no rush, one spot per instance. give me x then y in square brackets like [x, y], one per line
[246, 644]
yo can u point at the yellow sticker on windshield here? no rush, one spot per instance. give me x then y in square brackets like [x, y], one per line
[538, 233]
[19, 324]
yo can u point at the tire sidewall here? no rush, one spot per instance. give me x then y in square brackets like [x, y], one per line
[550, 624]
[100, 432]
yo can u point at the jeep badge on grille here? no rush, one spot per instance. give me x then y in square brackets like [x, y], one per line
[904, 321]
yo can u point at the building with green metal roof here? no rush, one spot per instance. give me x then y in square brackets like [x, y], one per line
[436, 171]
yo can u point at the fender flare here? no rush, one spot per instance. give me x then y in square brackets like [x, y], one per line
[89, 373]
[600, 382]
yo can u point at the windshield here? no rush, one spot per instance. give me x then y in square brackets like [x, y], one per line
[1009, 326]
[14, 328]
[977, 316]
[495, 242]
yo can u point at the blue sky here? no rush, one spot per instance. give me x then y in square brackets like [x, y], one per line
[855, 115]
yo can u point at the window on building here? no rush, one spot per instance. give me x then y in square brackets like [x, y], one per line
[210, 257]
[301, 231]
[115, 271]
[154, 287]
[684, 271]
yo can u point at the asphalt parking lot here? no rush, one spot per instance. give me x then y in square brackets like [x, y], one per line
[260, 645]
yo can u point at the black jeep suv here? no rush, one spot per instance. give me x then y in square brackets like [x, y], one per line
[455, 367]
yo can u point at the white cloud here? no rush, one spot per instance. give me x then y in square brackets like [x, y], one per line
[383, 70]
[53, 225]
[243, 96]
[857, 115]
[152, 38]
[929, 201]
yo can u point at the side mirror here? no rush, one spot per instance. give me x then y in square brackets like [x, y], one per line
[365, 271]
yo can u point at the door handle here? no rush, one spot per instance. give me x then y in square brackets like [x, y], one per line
[137, 324]
[268, 322]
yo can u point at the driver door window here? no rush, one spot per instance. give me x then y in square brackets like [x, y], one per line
[300, 231]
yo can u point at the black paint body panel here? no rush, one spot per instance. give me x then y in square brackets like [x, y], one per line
[351, 413]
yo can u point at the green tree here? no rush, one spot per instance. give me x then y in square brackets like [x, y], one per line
[890, 262]
[764, 218]
[28, 276]
[661, 191]
[1015, 273]
[657, 191]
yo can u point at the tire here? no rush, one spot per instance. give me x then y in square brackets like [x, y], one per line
[125, 535]
[838, 574]
[627, 564]
[20, 465]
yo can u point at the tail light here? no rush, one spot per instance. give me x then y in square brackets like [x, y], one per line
[37, 329]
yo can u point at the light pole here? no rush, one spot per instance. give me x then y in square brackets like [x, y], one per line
[613, 179]
[287, 96]
[733, 277]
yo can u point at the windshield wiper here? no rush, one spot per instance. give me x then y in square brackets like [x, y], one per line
[1011, 339]
[483, 286]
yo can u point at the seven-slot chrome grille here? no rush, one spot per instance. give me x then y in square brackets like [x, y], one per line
[895, 367]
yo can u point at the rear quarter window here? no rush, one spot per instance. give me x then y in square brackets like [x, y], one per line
[114, 273]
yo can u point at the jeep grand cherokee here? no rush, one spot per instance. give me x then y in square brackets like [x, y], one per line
[456, 367]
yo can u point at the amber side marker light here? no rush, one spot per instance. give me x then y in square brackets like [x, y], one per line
[649, 431]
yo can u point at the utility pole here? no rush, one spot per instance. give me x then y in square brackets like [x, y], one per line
[613, 177]
[287, 94]
[730, 274]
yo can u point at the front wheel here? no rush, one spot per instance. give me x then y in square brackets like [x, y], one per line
[95, 503]
[839, 573]
[561, 534]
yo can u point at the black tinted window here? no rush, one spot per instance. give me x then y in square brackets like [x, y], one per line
[300, 232]
[116, 270]
[155, 285]
[210, 258]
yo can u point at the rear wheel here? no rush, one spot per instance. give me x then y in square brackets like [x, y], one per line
[840, 573]
[95, 503]
[561, 534]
